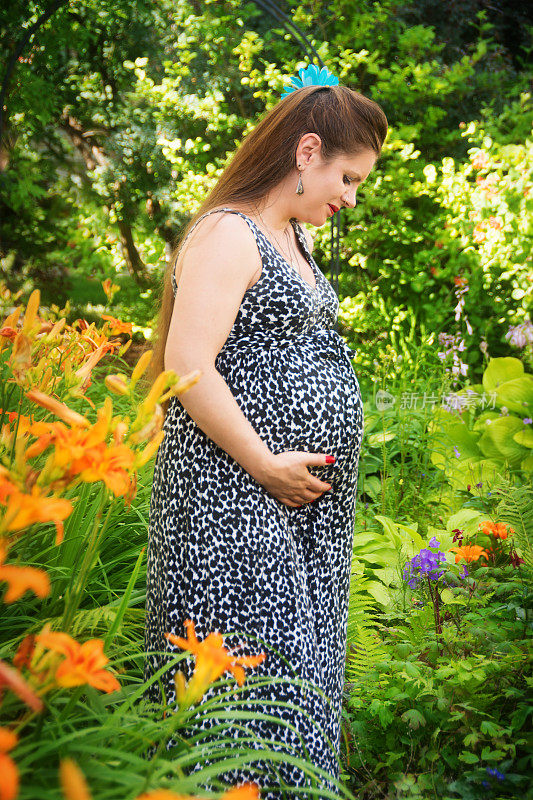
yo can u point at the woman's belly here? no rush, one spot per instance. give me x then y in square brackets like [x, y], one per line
[298, 399]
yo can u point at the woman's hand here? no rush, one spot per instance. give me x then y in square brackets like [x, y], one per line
[286, 477]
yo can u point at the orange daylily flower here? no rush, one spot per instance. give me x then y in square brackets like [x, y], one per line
[498, 530]
[71, 444]
[110, 465]
[24, 510]
[84, 372]
[8, 332]
[9, 785]
[109, 288]
[85, 452]
[13, 680]
[117, 326]
[83, 663]
[248, 791]
[472, 552]
[212, 660]
[73, 783]
[11, 415]
[20, 579]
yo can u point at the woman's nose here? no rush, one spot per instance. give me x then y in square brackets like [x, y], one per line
[350, 200]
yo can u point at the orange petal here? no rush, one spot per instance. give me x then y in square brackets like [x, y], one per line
[248, 791]
[25, 652]
[9, 784]
[104, 681]
[8, 740]
[59, 642]
[22, 579]
[72, 781]
[238, 673]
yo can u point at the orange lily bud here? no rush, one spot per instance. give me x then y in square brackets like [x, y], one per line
[12, 319]
[73, 783]
[59, 409]
[31, 310]
[158, 387]
[140, 367]
[183, 384]
[117, 384]
[143, 458]
[124, 347]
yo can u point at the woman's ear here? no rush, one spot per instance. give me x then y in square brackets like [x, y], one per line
[309, 148]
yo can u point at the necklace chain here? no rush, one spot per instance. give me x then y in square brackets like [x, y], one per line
[289, 248]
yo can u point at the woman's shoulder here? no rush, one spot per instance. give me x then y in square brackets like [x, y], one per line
[216, 236]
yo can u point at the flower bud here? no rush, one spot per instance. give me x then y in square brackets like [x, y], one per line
[117, 384]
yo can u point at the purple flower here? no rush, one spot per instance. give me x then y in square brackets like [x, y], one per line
[520, 335]
[456, 451]
[496, 773]
[425, 563]
[434, 542]
[527, 421]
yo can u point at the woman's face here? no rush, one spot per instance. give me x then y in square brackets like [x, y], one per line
[328, 185]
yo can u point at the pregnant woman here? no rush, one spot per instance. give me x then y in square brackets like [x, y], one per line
[253, 499]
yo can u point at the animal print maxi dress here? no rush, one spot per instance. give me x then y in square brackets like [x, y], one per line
[228, 555]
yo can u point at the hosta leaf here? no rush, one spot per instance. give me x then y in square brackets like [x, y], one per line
[501, 370]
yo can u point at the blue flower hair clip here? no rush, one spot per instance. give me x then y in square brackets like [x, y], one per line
[311, 76]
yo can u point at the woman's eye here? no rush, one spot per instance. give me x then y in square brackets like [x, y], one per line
[347, 179]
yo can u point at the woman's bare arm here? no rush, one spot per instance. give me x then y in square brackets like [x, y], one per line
[216, 269]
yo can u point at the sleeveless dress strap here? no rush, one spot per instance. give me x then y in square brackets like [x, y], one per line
[301, 237]
[250, 222]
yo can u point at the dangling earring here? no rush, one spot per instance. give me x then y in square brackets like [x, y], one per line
[300, 187]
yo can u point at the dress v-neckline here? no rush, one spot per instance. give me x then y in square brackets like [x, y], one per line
[294, 223]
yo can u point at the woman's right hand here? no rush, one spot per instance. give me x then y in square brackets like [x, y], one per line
[286, 477]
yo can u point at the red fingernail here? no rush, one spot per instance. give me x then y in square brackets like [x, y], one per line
[330, 459]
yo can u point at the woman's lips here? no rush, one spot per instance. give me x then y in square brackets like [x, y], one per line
[333, 208]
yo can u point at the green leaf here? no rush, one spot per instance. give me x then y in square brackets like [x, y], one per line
[501, 370]
[414, 718]
[117, 622]
[524, 437]
[468, 757]
[517, 395]
[491, 755]
[498, 442]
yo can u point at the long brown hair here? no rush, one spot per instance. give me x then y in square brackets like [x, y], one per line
[347, 123]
